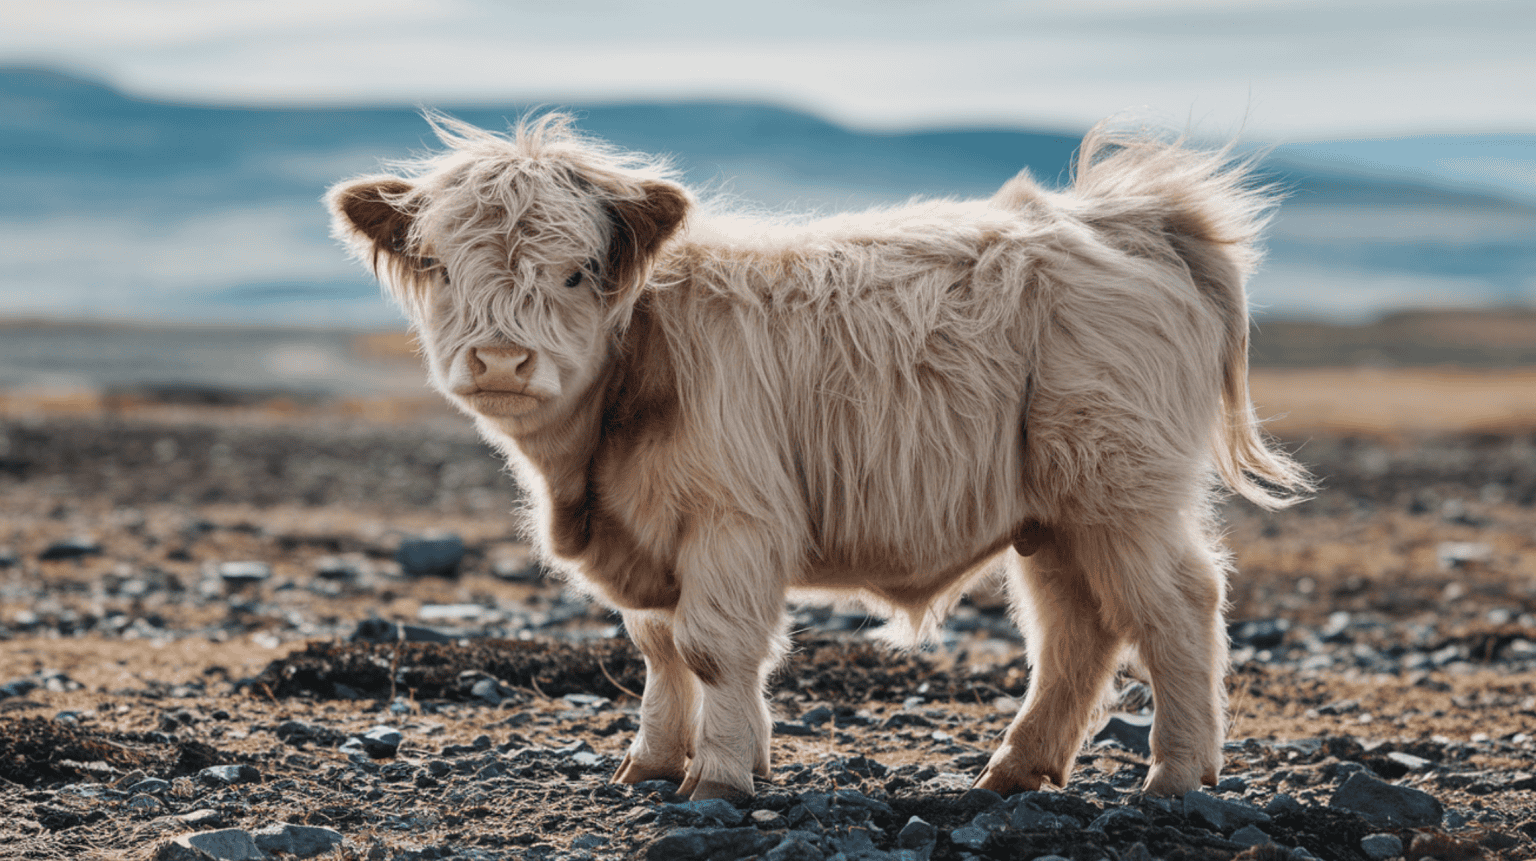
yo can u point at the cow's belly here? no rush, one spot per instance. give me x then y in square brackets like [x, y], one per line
[898, 578]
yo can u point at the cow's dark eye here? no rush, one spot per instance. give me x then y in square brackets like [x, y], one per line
[575, 279]
[431, 263]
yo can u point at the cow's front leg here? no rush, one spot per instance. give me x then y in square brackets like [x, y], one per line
[660, 748]
[729, 630]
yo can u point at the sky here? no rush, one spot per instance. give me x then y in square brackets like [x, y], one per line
[1271, 69]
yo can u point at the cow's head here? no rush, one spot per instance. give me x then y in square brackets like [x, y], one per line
[516, 256]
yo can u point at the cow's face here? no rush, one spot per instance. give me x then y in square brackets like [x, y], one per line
[513, 270]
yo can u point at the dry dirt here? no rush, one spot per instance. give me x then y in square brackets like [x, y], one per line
[1393, 615]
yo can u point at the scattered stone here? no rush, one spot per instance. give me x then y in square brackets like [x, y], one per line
[1381, 846]
[487, 691]
[1387, 805]
[1117, 817]
[1030, 817]
[1460, 554]
[381, 742]
[713, 811]
[384, 631]
[151, 785]
[793, 848]
[918, 837]
[431, 555]
[70, 548]
[228, 775]
[229, 844]
[1221, 814]
[1259, 633]
[202, 818]
[300, 841]
[710, 844]
[970, 837]
[1132, 732]
[1251, 835]
[240, 574]
[1408, 761]
[8, 558]
[339, 568]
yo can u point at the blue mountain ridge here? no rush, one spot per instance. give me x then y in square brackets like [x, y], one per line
[71, 148]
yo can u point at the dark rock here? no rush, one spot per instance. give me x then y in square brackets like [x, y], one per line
[970, 837]
[1132, 732]
[381, 742]
[1381, 846]
[431, 555]
[228, 775]
[70, 548]
[918, 836]
[17, 688]
[1117, 817]
[300, 841]
[1028, 816]
[8, 558]
[1251, 835]
[817, 716]
[1282, 805]
[338, 568]
[710, 844]
[238, 574]
[713, 811]
[229, 844]
[794, 728]
[794, 849]
[385, 631]
[1220, 814]
[151, 785]
[1259, 633]
[1387, 805]
[980, 799]
[486, 690]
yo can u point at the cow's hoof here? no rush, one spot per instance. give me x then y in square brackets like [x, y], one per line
[633, 771]
[712, 789]
[1164, 779]
[699, 790]
[1005, 783]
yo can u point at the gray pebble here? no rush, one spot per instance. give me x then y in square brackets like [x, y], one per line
[1381, 846]
[1251, 835]
[710, 844]
[1221, 814]
[244, 573]
[228, 775]
[431, 555]
[969, 837]
[1387, 805]
[300, 841]
[229, 844]
[1132, 732]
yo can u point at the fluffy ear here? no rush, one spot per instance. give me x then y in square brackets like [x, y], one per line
[371, 209]
[640, 226]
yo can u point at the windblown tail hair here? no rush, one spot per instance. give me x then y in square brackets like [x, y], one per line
[1211, 210]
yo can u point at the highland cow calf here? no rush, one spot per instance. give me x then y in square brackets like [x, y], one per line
[711, 413]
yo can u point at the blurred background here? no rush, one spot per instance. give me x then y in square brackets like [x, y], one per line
[162, 161]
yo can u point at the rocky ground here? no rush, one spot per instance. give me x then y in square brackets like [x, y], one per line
[245, 630]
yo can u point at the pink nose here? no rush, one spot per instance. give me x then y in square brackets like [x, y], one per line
[502, 369]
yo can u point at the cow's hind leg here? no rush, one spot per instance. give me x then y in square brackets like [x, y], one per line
[730, 632]
[1072, 656]
[660, 748]
[1163, 586]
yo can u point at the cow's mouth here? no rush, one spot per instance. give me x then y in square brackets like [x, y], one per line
[501, 404]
